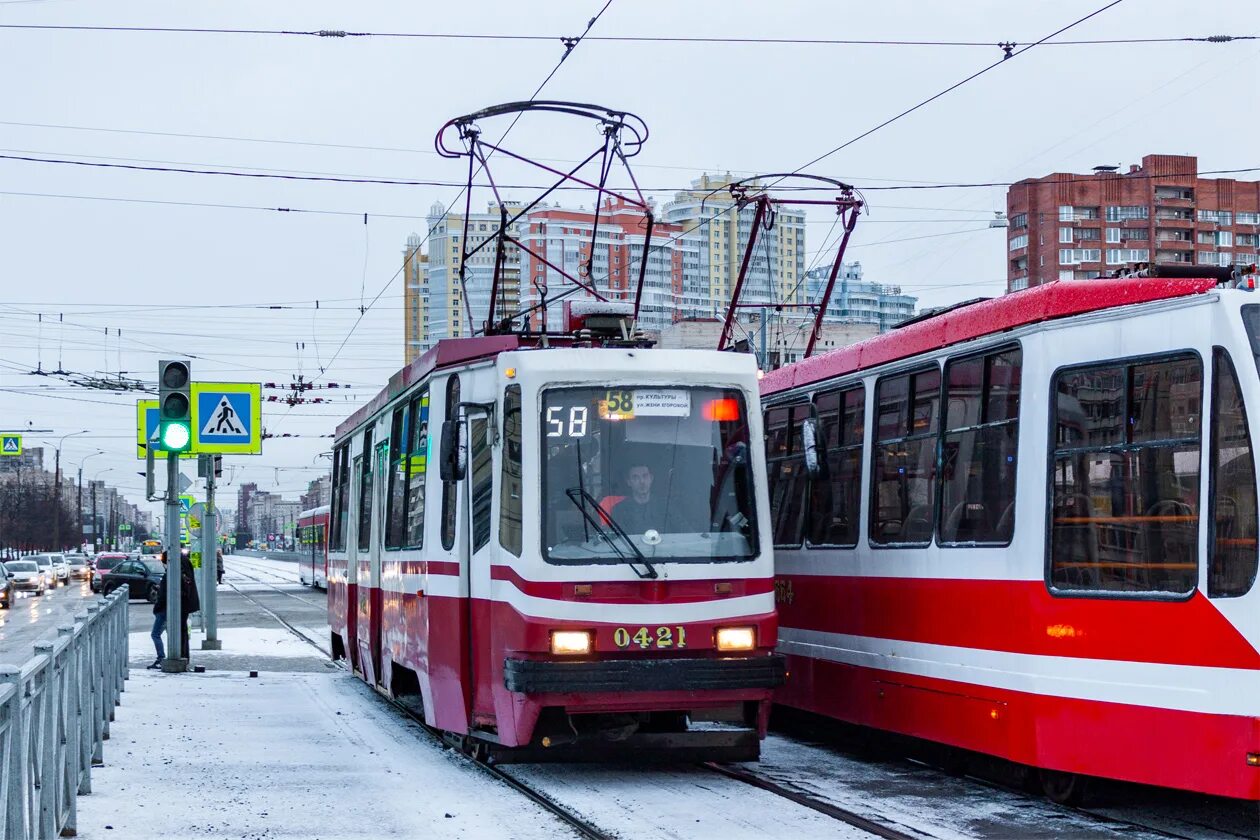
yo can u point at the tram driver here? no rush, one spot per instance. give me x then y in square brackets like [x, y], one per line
[642, 510]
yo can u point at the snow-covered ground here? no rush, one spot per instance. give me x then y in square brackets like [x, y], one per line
[286, 755]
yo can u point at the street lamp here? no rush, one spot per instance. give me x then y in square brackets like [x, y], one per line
[57, 546]
[79, 504]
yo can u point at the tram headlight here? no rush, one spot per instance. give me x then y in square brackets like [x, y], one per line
[736, 638]
[570, 642]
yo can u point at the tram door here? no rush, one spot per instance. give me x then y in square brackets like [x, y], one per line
[376, 527]
[478, 496]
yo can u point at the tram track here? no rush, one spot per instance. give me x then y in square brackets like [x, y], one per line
[844, 815]
[583, 827]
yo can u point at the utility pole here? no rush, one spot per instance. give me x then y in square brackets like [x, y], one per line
[209, 562]
[174, 662]
[175, 435]
[95, 547]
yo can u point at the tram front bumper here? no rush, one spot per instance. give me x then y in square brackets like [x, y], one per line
[528, 676]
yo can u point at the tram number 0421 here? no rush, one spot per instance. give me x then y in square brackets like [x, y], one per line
[647, 637]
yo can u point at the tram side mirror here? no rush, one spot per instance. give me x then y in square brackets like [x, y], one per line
[454, 455]
[809, 441]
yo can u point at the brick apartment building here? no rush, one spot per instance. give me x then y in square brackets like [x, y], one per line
[1066, 226]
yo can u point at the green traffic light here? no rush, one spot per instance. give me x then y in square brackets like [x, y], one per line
[175, 437]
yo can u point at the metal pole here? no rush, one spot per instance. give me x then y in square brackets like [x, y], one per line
[174, 662]
[57, 546]
[209, 564]
[95, 547]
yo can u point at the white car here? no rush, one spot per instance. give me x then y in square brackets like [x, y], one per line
[45, 563]
[26, 576]
[61, 568]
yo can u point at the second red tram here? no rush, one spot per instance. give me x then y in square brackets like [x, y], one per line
[312, 546]
[561, 552]
[1028, 527]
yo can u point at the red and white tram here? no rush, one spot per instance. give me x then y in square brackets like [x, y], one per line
[312, 545]
[1028, 527]
[555, 550]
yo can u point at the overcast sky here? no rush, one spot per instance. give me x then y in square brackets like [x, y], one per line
[194, 280]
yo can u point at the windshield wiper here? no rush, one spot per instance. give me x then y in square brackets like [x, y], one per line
[580, 498]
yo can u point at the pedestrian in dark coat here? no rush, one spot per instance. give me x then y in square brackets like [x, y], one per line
[189, 603]
[159, 620]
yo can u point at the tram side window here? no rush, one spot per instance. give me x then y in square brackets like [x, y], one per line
[1125, 477]
[978, 449]
[836, 492]
[1233, 546]
[903, 465]
[396, 507]
[449, 495]
[785, 462]
[510, 481]
[417, 468]
[341, 489]
[481, 473]
[365, 493]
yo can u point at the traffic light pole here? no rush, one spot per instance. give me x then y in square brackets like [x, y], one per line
[174, 662]
[210, 563]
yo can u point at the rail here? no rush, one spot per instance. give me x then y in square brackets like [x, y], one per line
[54, 717]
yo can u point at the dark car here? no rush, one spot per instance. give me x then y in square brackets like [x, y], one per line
[103, 563]
[8, 588]
[142, 576]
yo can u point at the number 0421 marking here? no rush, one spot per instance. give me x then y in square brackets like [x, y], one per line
[646, 637]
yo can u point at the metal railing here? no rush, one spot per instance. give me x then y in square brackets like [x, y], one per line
[54, 717]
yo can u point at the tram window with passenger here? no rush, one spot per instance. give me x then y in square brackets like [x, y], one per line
[1233, 546]
[978, 449]
[1125, 477]
[836, 492]
[660, 474]
[903, 467]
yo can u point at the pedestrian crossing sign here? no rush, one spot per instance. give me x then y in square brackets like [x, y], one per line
[146, 429]
[10, 444]
[227, 418]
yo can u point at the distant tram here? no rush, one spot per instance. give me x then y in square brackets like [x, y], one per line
[1028, 527]
[312, 546]
[561, 552]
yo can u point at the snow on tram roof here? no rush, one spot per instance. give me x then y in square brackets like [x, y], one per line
[1058, 299]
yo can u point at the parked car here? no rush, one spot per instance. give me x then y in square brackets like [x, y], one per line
[142, 576]
[27, 576]
[8, 589]
[80, 566]
[102, 564]
[61, 567]
[45, 563]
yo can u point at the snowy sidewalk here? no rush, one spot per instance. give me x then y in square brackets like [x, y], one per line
[294, 755]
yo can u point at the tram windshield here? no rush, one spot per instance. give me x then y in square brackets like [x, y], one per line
[642, 475]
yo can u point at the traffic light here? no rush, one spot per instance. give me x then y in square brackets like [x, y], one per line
[174, 406]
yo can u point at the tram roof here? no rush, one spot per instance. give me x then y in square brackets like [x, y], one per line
[1058, 299]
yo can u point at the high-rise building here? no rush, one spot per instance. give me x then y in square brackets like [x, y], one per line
[713, 243]
[560, 237]
[858, 301]
[448, 314]
[415, 298]
[1067, 226]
